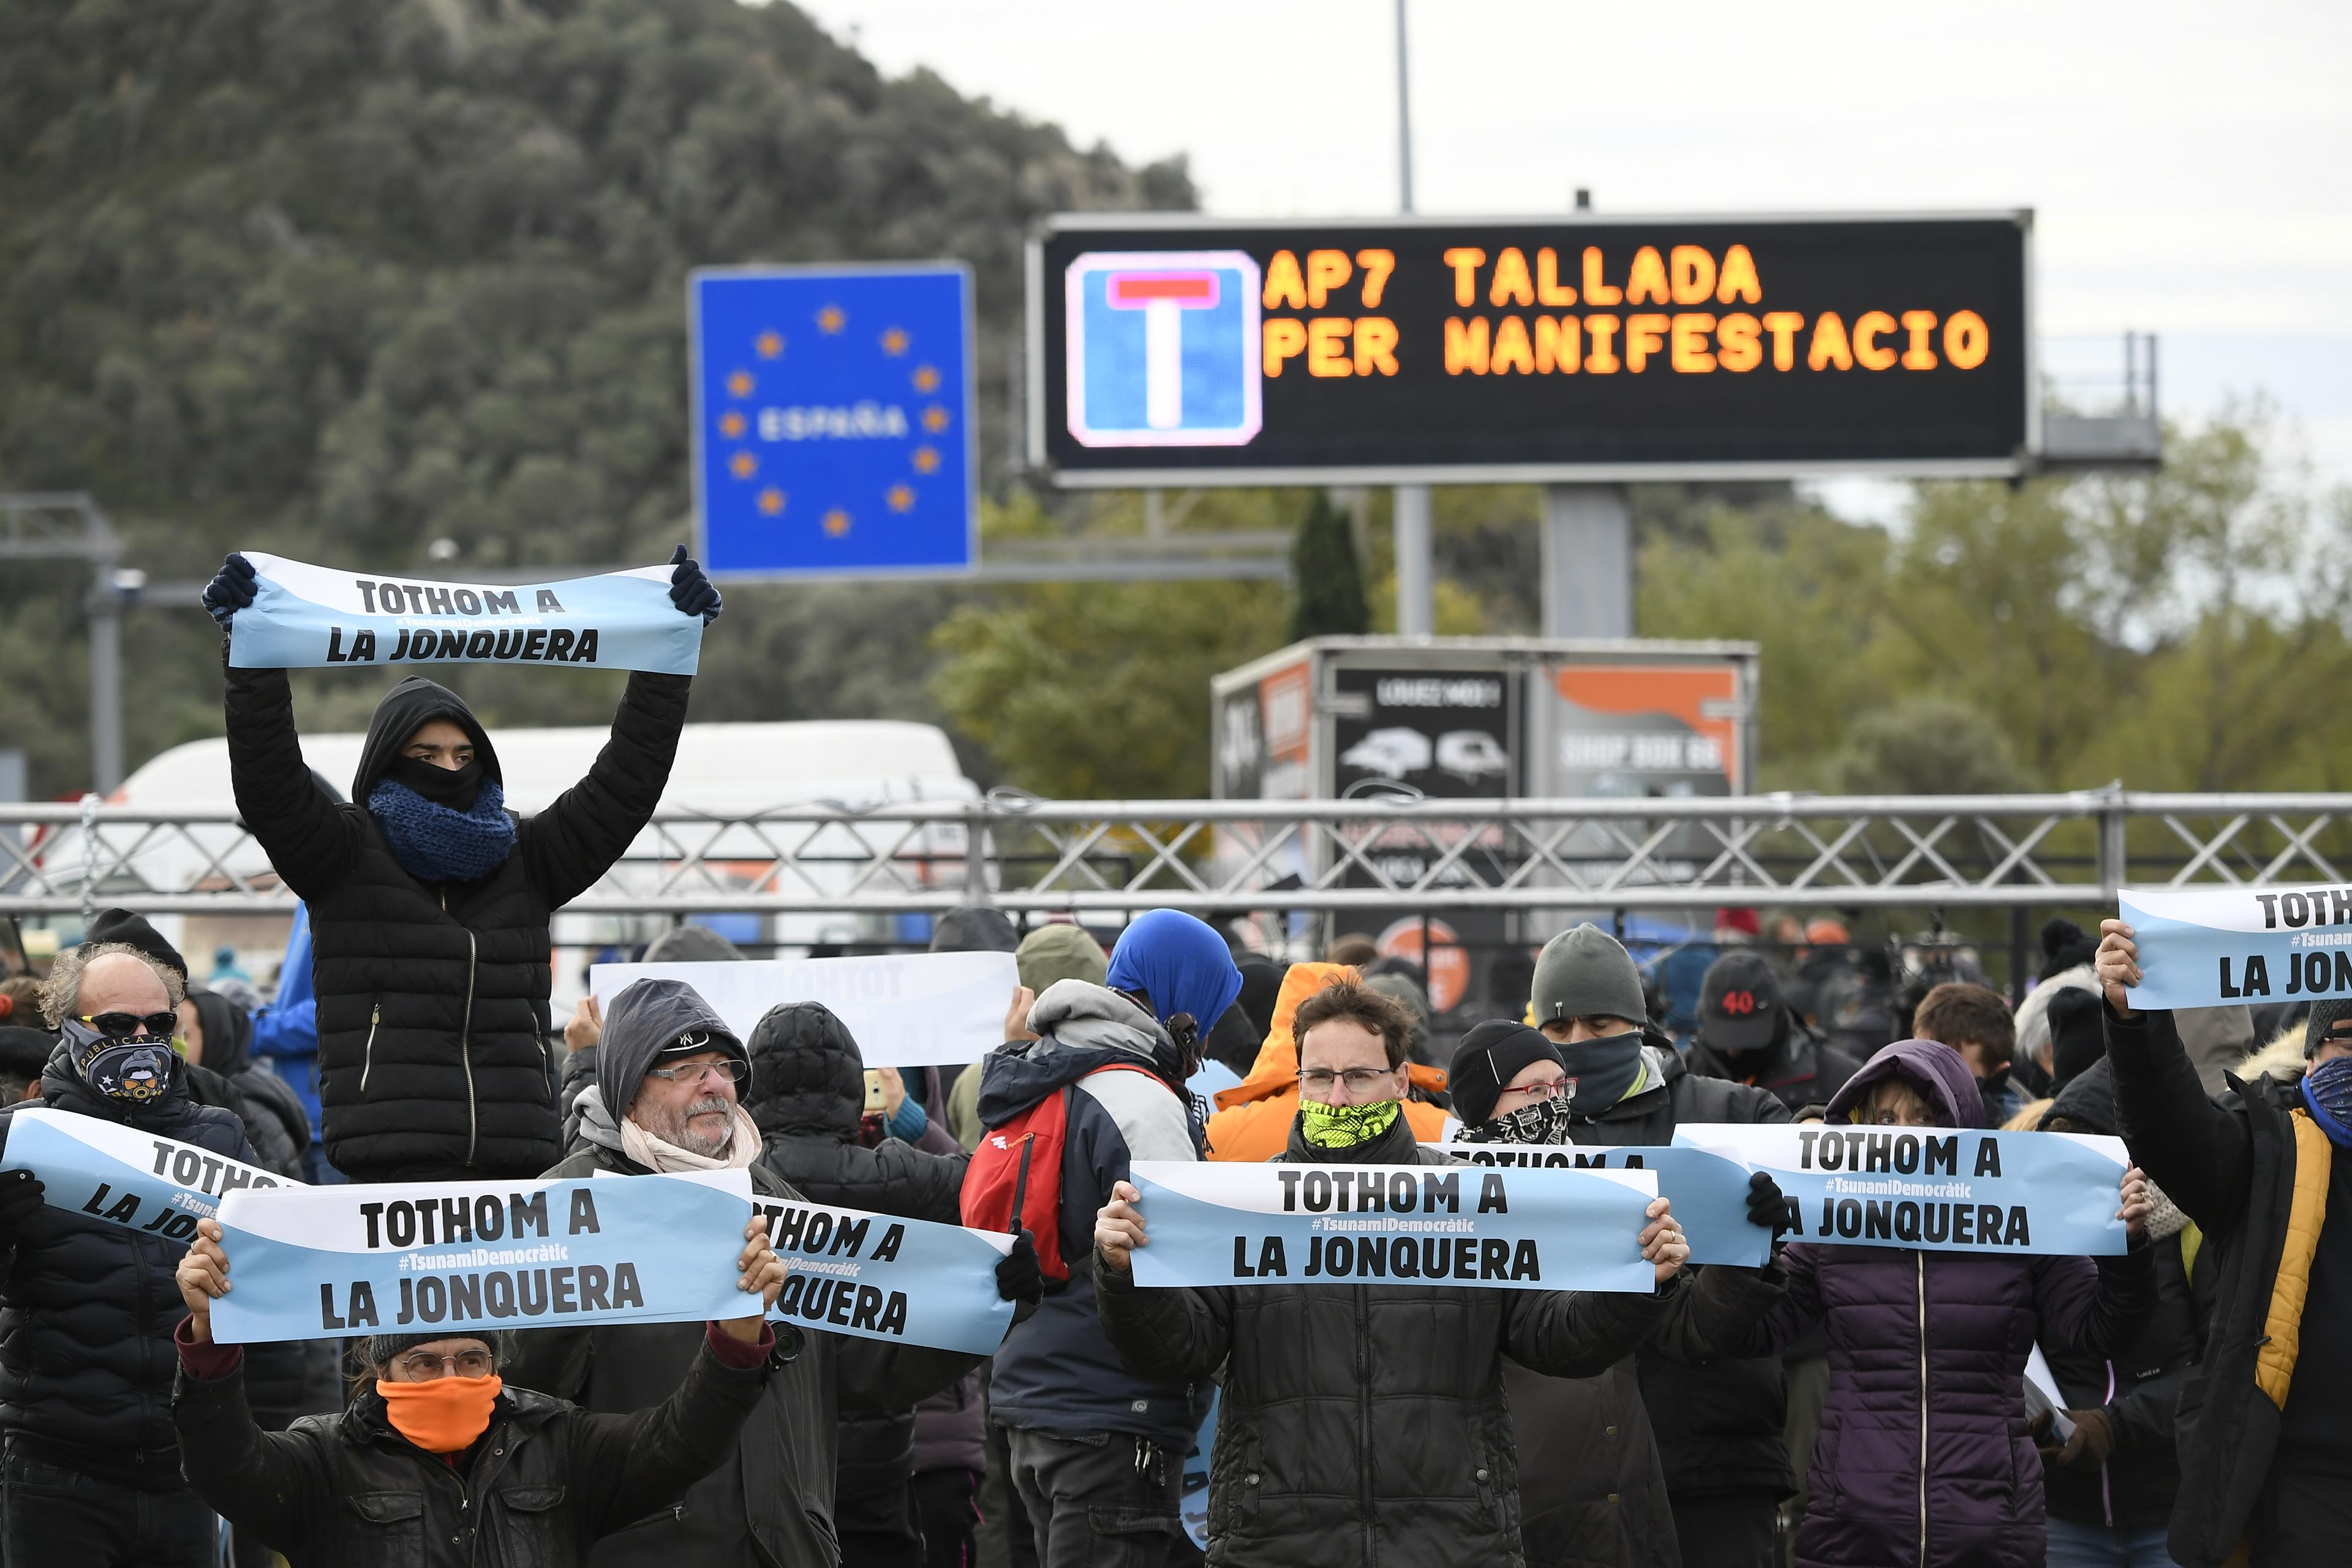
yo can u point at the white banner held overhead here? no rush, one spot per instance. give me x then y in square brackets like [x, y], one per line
[904, 1010]
[2219, 947]
[304, 616]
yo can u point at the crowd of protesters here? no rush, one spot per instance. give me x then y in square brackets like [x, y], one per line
[2179, 1402]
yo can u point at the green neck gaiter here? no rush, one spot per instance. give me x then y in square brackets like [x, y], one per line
[1346, 1126]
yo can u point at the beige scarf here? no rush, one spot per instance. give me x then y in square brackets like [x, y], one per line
[656, 1154]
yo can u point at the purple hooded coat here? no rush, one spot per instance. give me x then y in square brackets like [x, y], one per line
[1928, 1354]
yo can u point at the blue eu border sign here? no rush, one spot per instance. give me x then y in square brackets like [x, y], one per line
[833, 419]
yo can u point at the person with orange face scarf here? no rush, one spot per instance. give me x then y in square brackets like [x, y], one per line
[436, 1451]
[1253, 1119]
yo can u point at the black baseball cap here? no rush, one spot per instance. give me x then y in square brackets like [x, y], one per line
[1739, 1002]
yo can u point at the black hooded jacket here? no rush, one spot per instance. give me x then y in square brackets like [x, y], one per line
[434, 1056]
[86, 1354]
[807, 1097]
[2140, 1386]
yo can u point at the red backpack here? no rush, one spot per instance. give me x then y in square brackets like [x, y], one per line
[1016, 1174]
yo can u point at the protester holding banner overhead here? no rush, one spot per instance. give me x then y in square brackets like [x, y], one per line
[807, 1095]
[1718, 1430]
[438, 1461]
[92, 1464]
[1924, 1460]
[672, 1066]
[1368, 1423]
[1097, 1452]
[429, 903]
[2265, 1443]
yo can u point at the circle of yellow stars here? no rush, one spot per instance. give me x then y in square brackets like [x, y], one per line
[740, 383]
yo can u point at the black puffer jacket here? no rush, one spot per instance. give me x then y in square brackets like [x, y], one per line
[435, 1060]
[536, 1491]
[1716, 1429]
[85, 1356]
[807, 1096]
[1368, 1425]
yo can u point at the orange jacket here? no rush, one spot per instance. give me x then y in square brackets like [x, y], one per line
[1253, 1118]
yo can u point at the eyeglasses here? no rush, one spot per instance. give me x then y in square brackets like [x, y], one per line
[1319, 1079]
[124, 1026]
[695, 1072]
[424, 1366]
[1546, 1090]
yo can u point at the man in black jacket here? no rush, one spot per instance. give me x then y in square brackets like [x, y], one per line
[1368, 1425]
[2264, 1170]
[1747, 1033]
[1718, 1429]
[92, 1462]
[671, 1065]
[437, 1463]
[429, 903]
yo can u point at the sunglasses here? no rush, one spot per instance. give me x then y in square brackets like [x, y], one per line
[129, 1026]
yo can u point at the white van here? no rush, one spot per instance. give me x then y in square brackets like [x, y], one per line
[726, 770]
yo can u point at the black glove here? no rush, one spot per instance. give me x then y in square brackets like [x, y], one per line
[689, 590]
[1019, 1280]
[1767, 1207]
[231, 591]
[20, 1200]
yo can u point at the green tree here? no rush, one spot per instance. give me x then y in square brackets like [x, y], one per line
[1326, 576]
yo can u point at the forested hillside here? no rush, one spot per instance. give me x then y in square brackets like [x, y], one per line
[342, 277]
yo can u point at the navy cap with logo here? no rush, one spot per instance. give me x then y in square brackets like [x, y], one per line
[1739, 1002]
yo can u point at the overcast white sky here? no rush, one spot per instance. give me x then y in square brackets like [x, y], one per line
[2191, 166]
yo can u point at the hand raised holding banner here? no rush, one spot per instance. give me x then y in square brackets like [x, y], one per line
[203, 1277]
[2119, 966]
[1663, 1243]
[764, 1276]
[690, 590]
[2138, 1203]
[1119, 1227]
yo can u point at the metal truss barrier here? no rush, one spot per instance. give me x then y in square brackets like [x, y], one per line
[1040, 856]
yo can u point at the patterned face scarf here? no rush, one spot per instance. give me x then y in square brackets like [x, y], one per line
[1346, 1126]
[1545, 1122]
[433, 843]
[2327, 1095]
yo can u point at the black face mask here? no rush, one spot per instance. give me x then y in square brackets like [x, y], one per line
[452, 787]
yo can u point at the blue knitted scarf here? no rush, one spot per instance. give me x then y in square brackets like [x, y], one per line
[435, 844]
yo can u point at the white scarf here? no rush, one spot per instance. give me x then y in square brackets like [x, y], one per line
[657, 1153]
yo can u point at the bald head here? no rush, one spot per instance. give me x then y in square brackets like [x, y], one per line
[107, 978]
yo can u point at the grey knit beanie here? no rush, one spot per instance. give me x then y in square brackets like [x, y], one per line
[2325, 1016]
[1588, 973]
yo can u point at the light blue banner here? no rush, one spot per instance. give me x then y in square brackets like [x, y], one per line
[1709, 1193]
[1216, 1224]
[1938, 1190]
[908, 1281]
[304, 616]
[118, 1174]
[309, 1263]
[2214, 947]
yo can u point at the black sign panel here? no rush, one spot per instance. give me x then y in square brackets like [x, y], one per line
[1205, 353]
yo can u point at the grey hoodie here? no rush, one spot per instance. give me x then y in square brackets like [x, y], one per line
[643, 1020]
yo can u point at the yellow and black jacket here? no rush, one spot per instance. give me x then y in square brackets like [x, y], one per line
[2250, 1168]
